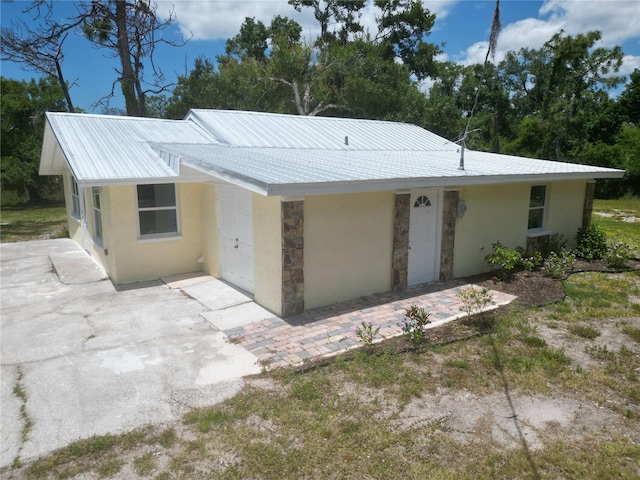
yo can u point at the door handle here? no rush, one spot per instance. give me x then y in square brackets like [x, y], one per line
[236, 243]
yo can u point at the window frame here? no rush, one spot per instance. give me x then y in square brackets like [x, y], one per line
[75, 198]
[542, 208]
[97, 214]
[158, 236]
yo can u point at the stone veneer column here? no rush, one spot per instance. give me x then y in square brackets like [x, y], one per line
[292, 257]
[449, 213]
[400, 254]
[588, 203]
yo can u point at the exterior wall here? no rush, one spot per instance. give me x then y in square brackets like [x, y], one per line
[210, 236]
[494, 213]
[500, 213]
[565, 209]
[138, 260]
[348, 246]
[267, 253]
[73, 223]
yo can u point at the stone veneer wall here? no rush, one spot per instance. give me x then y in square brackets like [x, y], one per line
[292, 258]
[400, 254]
[539, 243]
[449, 212]
[588, 203]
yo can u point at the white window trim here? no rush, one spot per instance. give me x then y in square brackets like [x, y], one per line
[155, 237]
[75, 198]
[541, 229]
[97, 216]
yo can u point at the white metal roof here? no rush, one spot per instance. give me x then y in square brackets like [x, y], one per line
[107, 148]
[280, 154]
[270, 130]
[286, 171]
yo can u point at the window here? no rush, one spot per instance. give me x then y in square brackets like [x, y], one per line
[75, 197]
[422, 201]
[536, 206]
[97, 214]
[157, 210]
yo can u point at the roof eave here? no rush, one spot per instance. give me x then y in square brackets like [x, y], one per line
[324, 188]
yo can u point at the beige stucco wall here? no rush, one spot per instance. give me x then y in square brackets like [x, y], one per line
[73, 223]
[348, 244]
[494, 213]
[500, 213]
[137, 260]
[210, 238]
[267, 252]
[566, 203]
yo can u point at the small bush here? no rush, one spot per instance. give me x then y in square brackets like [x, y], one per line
[366, 332]
[592, 243]
[506, 258]
[557, 242]
[532, 262]
[474, 300]
[414, 324]
[558, 265]
[618, 254]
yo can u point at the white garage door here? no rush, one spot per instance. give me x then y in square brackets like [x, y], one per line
[235, 221]
[423, 236]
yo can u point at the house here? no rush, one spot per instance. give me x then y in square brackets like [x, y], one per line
[301, 211]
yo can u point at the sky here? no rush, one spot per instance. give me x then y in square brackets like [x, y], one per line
[461, 27]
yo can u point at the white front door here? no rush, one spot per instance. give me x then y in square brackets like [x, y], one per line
[423, 236]
[235, 226]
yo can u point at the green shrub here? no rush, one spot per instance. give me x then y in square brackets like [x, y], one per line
[415, 323]
[618, 254]
[506, 258]
[558, 265]
[557, 242]
[474, 300]
[592, 243]
[532, 262]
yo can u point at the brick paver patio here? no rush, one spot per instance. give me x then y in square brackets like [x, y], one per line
[329, 330]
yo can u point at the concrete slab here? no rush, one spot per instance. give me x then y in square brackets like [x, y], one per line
[96, 359]
[77, 268]
[216, 295]
[183, 280]
[237, 316]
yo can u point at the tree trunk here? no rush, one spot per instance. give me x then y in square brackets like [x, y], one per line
[496, 132]
[128, 81]
[64, 87]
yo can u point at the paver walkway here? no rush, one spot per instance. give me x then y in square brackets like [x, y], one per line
[330, 330]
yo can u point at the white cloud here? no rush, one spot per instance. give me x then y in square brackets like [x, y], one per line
[629, 64]
[617, 20]
[221, 19]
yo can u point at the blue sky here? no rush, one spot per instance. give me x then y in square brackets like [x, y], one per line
[462, 25]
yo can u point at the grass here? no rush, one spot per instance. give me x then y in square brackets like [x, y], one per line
[32, 222]
[584, 331]
[616, 229]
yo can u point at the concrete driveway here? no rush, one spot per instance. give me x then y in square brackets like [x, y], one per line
[92, 360]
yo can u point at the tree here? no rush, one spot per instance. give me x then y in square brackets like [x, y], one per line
[562, 84]
[339, 14]
[403, 26]
[39, 48]
[21, 130]
[129, 29]
[629, 101]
